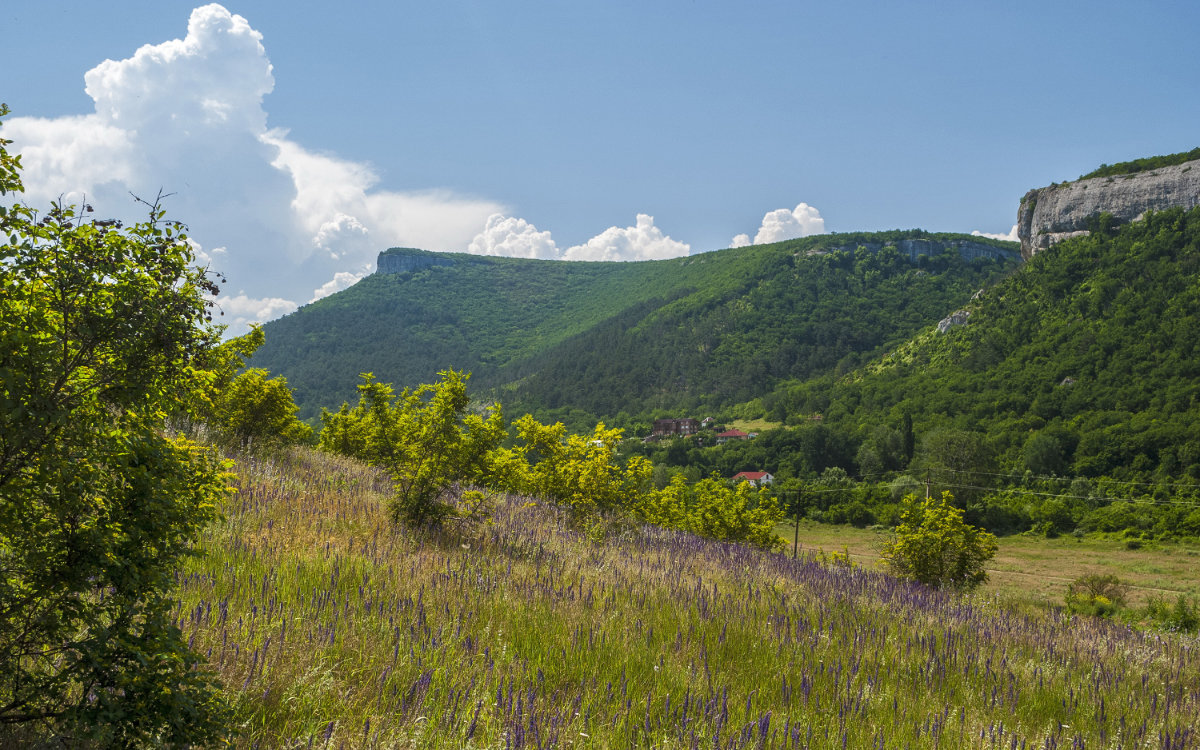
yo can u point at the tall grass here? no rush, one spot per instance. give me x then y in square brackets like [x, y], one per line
[332, 629]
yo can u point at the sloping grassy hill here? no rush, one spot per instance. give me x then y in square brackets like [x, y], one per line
[1092, 344]
[332, 629]
[601, 338]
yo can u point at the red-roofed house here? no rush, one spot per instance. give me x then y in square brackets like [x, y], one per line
[756, 478]
[731, 435]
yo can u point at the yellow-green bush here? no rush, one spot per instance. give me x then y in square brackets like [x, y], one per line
[711, 508]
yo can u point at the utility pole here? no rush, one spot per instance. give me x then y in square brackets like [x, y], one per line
[796, 539]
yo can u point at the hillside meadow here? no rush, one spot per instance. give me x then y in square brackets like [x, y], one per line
[331, 628]
[1030, 570]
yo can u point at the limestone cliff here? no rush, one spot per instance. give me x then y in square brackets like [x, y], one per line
[1050, 214]
[407, 260]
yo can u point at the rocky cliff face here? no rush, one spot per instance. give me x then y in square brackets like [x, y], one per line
[1051, 214]
[407, 259]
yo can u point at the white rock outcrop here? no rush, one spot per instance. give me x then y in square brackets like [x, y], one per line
[1052, 214]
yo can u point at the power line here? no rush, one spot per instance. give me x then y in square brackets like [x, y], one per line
[1072, 497]
[1021, 491]
[1051, 477]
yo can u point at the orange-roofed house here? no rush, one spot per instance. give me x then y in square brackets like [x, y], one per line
[756, 478]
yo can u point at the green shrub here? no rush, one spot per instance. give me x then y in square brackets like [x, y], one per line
[712, 509]
[578, 472]
[255, 408]
[1096, 595]
[934, 546]
[1183, 616]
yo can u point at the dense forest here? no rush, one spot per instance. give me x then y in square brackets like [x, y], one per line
[1091, 347]
[587, 341]
[799, 316]
[1067, 403]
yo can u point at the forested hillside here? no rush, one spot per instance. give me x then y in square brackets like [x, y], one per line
[798, 316]
[1086, 361]
[586, 341]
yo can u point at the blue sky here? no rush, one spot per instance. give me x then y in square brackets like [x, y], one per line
[582, 130]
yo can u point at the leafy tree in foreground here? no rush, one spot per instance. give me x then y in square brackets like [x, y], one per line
[424, 438]
[101, 327]
[935, 546]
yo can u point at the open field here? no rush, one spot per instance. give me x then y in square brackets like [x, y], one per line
[1037, 570]
[331, 629]
[754, 425]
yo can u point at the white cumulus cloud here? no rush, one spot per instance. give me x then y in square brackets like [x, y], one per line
[1011, 236]
[341, 280]
[784, 224]
[341, 231]
[513, 237]
[286, 222]
[186, 117]
[644, 241]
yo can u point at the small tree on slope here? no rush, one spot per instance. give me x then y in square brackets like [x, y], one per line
[935, 546]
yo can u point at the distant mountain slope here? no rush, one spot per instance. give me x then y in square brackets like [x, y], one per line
[605, 337]
[1094, 343]
[803, 312]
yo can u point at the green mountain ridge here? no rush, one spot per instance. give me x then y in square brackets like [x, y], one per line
[1091, 349]
[584, 340]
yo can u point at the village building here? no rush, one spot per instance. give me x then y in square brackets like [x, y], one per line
[684, 426]
[756, 478]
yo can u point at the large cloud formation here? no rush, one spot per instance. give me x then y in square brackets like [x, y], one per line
[784, 224]
[186, 116]
[283, 223]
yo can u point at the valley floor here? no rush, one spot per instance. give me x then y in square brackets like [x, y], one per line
[1032, 570]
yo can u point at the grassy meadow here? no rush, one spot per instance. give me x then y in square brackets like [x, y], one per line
[1033, 570]
[331, 629]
